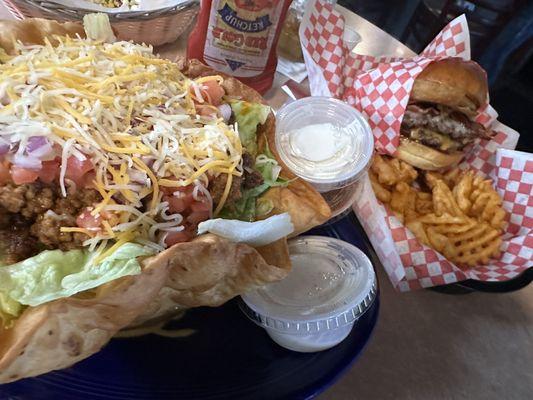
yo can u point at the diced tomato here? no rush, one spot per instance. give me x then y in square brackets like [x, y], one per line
[175, 204]
[206, 110]
[181, 192]
[76, 170]
[187, 197]
[181, 200]
[5, 175]
[88, 221]
[21, 176]
[200, 211]
[49, 171]
[198, 206]
[89, 179]
[167, 190]
[79, 166]
[212, 92]
[196, 217]
[184, 189]
[177, 237]
[170, 190]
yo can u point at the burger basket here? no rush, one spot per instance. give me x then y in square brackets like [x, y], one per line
[155, 27]
[380, 87]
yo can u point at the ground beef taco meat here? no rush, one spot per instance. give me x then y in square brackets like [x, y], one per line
[249, 180]
[17, 244]
[31, 216]
[252, 178]
[218, 185]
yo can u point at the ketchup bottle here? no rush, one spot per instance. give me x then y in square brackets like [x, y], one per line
[239, 38]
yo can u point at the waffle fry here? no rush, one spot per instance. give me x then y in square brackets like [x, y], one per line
[462, 240]
[403, 198]
[475, 246]
[462, 217]
[444, 219]
[424, 203]
[443, 200]
[452, 230]
[390, 171]
[450, 177]
[477, 198]
[383, 194]
[419, 230]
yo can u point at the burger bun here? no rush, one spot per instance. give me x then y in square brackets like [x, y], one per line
[424, 157]
[453, 82]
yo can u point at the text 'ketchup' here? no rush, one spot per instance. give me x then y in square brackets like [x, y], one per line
[239, 37]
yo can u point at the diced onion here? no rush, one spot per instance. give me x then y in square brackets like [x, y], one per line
[39, 147]
[56, 216]
[225, 111]
[197, 93]
[276, 170]
[137, 176]
[35, 142]
[28, 162]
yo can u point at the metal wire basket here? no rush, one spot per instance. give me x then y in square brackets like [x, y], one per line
[155, 27]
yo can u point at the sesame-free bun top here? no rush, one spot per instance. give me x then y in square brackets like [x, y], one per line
[453, 82]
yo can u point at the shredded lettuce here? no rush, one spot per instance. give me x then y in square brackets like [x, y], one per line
[9, 310]
[248, 116]
[98, 27]
[249, 207]
[245, 209]
[4, 57]
[55, 274]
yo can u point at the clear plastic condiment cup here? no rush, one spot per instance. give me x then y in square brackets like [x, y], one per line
[325, 142]
[331, 284]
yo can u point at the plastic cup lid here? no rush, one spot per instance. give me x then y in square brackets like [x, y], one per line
[331, 284]
[324, 141]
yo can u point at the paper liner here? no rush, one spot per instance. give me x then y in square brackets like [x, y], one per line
[380, 88]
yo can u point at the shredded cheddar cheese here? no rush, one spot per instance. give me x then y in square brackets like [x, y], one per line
[75, 229]
[129, 113]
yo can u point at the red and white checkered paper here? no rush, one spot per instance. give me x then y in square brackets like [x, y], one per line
[380, 88]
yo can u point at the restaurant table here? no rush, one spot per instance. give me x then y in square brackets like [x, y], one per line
[429, 345]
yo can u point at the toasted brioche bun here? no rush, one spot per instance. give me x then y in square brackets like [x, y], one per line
[425, 157]
[453, 82]
[459, 84]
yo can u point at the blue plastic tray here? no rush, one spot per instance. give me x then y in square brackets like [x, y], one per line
[228, 357]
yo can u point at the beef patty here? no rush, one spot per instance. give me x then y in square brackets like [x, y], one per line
[440, 127]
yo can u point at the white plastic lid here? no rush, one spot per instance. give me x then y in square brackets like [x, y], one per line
[331, 284]
[324, 141]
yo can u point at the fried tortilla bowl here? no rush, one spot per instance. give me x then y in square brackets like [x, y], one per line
[207, 271]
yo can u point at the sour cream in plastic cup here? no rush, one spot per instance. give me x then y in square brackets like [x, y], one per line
[325, 142]
[331, 284]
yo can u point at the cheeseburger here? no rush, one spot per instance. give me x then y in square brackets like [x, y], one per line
[438, 123]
